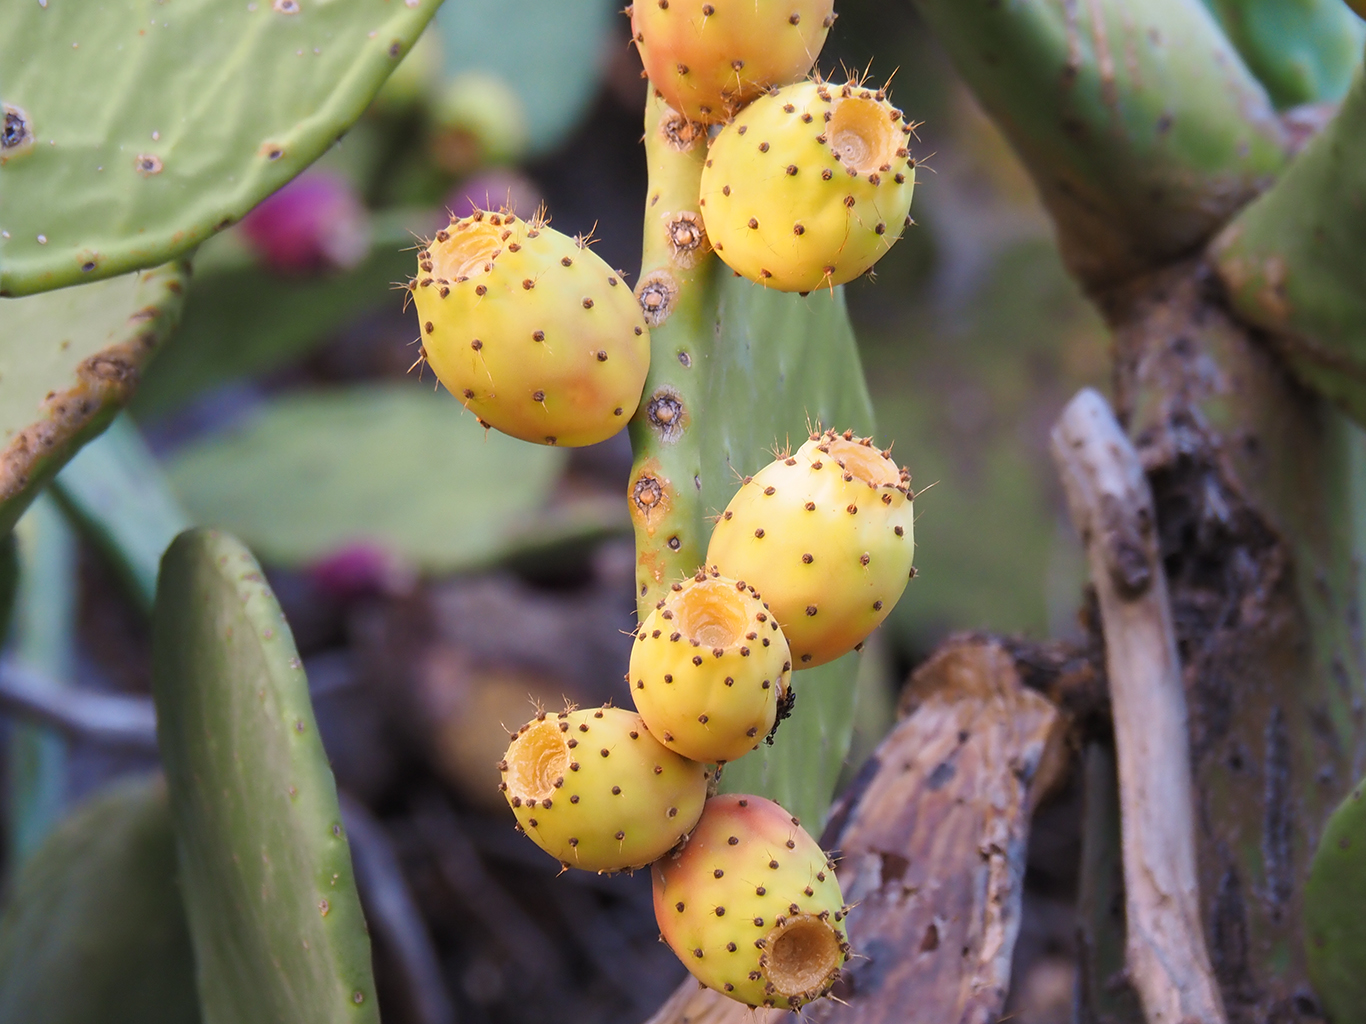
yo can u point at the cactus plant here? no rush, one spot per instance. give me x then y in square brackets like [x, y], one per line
[710, 59]
[809, 186]
[75, 357]
[710, 668]
[95, 928]
[595, 790]
[1335, 935]
[828, 533]
[1303, 52]
[530, 329]
[180, 149]
[1290, 260]
[264, 861]
[751, 905]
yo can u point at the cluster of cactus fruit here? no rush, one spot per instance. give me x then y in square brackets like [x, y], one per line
[806, 185]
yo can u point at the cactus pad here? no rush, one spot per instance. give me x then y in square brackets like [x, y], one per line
[1335, 932]
[809, 186]
[265, 866]
[94, 928]
[394, 466]
[596, 791]
[530, 329]
[138, 151]
[68, 361]
[827, 534]
[710, 59]
[710, 668]
[751, 905]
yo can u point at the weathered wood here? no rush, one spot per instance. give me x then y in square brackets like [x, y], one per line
[1112, 508]
[931, 841]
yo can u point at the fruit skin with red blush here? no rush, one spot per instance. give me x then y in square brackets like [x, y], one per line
[751, 905]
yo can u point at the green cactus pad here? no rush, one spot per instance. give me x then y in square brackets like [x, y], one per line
[1335, 930]
[149, 127]
[265, 865]
[68, 361]
[1303, 52]
[802, 766]
[95, 928]
[1294, 263]
[394, 465]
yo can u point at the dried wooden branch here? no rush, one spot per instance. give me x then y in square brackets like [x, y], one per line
[1112, 507]
[932, 850]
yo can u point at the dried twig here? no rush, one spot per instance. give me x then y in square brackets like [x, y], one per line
[109, 720]
[1112, 507]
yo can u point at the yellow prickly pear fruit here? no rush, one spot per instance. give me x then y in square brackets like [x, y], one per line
[596, 791]
[809, 186]
[710, 59]
[751, 905]
[710, 668]
[826, 535]
[530, 329]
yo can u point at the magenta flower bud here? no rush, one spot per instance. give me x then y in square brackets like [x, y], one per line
[313, 224]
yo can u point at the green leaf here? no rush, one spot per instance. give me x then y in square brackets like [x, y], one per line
[397, 466]
[265, 865]
[554, 65]
[94, 929]
[154, 126]
[69, 360]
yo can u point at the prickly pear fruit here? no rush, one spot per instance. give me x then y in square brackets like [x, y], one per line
[710, 59]
[596, 791]
[709, 668]
[826, 535]
[530, 329]
[751, 905]
[809, 186]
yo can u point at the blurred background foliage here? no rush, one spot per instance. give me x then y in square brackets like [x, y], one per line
[438, 579]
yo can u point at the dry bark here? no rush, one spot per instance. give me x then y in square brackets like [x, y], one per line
[931, 842]
[1112, 507]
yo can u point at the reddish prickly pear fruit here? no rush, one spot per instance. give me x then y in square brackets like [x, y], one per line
[809, 186]
[709, 59]
[751, 905]
[595, 790]
[530, 329]
[313, 224]
[826, 535]
[709, 668]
